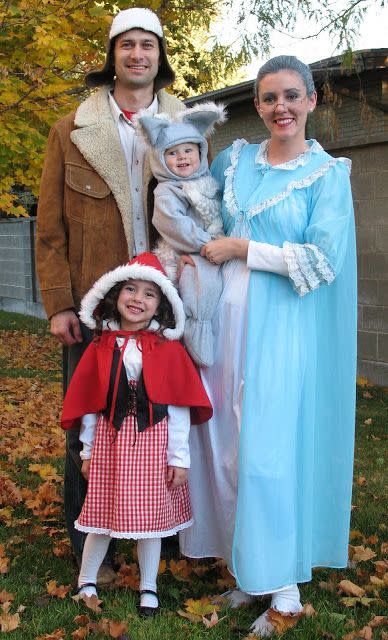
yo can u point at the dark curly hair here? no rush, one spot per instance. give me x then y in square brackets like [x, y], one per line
[107, 310]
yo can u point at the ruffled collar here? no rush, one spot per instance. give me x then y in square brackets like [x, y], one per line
[261, 157]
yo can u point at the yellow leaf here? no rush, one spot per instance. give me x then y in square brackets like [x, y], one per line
[201, 607]
[46, 472]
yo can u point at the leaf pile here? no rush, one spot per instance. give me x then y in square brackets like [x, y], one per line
[348, 604]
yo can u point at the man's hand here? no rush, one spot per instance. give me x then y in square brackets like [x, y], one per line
[85, 469]
[65, 326]
[176, 476]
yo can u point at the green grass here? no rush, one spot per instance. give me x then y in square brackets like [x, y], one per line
[33, 563]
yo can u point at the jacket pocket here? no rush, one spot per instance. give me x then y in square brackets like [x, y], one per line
[86, 196]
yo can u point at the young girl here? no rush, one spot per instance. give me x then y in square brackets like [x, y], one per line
[134, 390]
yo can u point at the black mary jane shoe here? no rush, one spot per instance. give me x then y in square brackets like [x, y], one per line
[148, 612]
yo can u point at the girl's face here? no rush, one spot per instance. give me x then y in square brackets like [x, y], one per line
[283, 104]
[137, 304]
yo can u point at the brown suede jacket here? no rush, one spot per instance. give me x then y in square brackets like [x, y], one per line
[84, 224]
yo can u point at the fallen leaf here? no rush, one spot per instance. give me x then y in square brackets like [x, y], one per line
[214, 619]
[381, 567]
[363, 601]
[201, 607]
[384, 548]
[91, 602]
[328, 586]
[373, 539]
[189, 616]
[283, 621]
[378, 621]
[361, 481]
[57, 591]
[368, 421]
[355, 534]
[80, 633]
[162, 567]
[8, 621]
[181, 570]
[58, 634]
[46, 472]
[363, 554]
[117, 629]
[82, 619]
[128, 576]
[351, 589]
[309, 610]
[6, 597]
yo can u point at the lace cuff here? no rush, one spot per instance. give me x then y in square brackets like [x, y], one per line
[308, 267]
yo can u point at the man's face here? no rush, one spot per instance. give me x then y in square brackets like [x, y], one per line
[136, 58]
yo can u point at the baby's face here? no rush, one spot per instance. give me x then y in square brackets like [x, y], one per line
[183, 159]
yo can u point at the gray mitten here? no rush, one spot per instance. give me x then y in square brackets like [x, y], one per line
[200, 289]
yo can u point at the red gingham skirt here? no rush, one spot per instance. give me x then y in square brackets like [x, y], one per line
[127, 493]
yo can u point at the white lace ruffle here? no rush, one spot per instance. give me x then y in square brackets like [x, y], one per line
[299, 161]
[229, 195]
[296, 184]
[308, 266]
[136, 535]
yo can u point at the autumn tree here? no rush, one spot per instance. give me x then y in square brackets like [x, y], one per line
[48, 45]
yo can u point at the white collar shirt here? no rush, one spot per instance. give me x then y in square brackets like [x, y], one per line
[134, 151]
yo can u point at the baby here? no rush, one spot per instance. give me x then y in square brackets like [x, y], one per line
[187, 213]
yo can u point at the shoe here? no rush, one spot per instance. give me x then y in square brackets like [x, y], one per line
[106, 575]
[78, 591]
[148, 612]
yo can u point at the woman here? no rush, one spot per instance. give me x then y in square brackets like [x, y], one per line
[272, 471]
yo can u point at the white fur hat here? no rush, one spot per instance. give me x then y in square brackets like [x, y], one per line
[145, 266]
[135, 19]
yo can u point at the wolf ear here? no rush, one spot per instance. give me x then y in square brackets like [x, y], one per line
[152, 127]
[204, 116]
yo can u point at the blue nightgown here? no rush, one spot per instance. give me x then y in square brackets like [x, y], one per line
[271, 473]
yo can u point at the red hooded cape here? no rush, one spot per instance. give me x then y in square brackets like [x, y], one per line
[170, 378]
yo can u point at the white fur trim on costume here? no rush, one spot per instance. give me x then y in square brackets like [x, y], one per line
[217, 109]
[136, 271]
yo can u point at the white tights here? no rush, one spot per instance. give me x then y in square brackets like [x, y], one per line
[148, 552]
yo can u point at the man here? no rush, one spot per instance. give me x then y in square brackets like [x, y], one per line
[95, 203]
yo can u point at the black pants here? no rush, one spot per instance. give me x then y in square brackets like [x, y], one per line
[75, 485]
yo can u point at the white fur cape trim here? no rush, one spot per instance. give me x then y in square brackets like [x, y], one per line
[137, 272]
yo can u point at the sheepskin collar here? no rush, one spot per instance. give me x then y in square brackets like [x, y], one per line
[97, 138]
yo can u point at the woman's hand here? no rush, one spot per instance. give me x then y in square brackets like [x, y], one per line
[176, 476]
[85, 469]
[223, 249]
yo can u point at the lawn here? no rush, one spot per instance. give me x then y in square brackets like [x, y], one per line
[36, 567]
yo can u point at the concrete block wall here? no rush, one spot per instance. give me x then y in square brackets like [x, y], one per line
[370, 193]
[18, 288]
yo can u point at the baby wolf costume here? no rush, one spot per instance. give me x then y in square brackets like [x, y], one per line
[187, 216]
